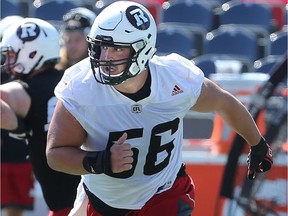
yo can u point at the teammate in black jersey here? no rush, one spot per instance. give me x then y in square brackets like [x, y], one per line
[17, 180]
[31, 50]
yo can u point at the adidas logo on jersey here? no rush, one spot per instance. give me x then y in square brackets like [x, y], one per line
[176, 90]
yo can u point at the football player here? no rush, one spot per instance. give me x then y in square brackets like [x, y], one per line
[119, 119]
[31, 50]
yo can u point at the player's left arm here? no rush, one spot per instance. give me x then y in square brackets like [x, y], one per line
[232, 111]
[235, 114]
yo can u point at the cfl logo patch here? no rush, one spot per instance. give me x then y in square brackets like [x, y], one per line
[136, 108]
[138, 18]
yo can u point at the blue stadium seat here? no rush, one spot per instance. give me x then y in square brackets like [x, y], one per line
[205, 63]
[278, 43]
[196, 16]
[54, 9]
[9, 8]
[213, 63]
[194, 13]
[216, 3]
[264, 65]
[178, 40]
[252, 15]
[239, 43]
[256, 17]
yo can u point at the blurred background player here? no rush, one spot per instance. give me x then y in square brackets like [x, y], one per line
[31, 49]
[76, 26]
[17, 180]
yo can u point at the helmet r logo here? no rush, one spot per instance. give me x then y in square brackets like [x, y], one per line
[138, 18]
[28, 32]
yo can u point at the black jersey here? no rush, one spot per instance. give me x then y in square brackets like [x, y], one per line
[59, 189]
[13, 148]
[41, 90]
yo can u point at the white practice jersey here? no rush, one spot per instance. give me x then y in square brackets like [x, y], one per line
[154, 126]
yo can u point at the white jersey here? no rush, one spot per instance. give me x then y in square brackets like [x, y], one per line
[154, 126]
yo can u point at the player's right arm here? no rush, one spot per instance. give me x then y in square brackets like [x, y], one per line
[15, 103]
[65, 136]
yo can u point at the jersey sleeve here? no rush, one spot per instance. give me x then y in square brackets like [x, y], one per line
[183, 71]
[192, 73]
[73, 89]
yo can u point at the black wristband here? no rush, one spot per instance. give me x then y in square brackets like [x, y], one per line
[21, 127]
[94, 162]
[260, 145]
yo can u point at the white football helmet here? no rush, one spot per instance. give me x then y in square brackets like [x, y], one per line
[34, 41]
[124, 24]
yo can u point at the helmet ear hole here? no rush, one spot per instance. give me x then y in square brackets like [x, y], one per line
[32, 54]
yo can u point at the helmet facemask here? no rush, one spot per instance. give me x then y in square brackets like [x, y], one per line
[102, 68]
[11, 64]
[8, 62]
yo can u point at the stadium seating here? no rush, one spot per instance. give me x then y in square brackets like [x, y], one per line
[53, 9]
[216, 3]
[206, 64]
[239, 43]
[178, 40]
[192, 13]
[196, 16]
[278, 43]
[264, 65]
[278, 8]
[214, 63]
[253, 16]
[9, 8]
[278, 15]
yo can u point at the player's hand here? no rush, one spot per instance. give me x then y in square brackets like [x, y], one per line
[121, 155]
[260, 159]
